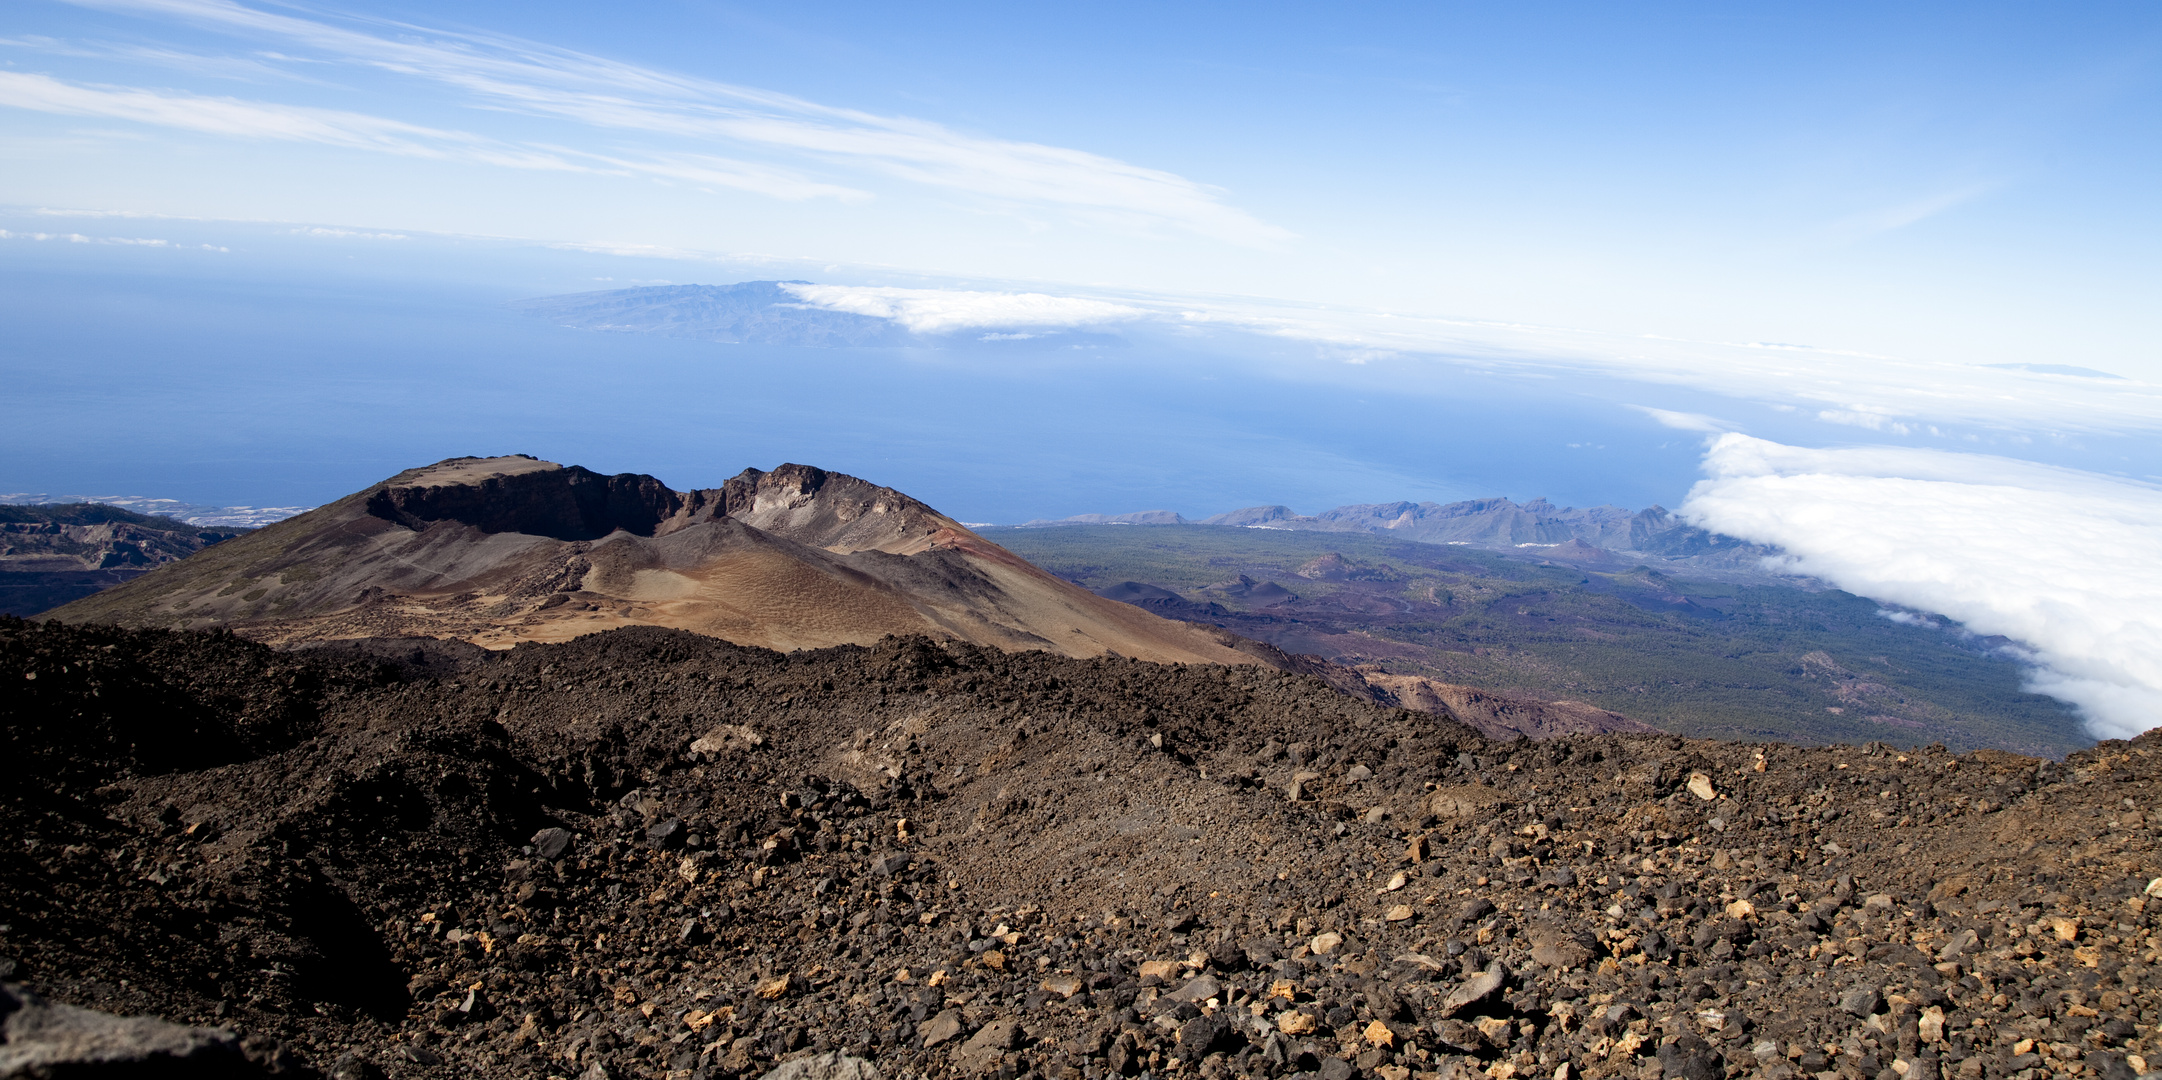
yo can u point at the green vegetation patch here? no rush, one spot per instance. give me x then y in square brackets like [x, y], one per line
[1696, 658]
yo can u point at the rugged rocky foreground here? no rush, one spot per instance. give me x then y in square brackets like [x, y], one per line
[651, 854]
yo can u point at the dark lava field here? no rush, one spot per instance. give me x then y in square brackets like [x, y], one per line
[646, 853]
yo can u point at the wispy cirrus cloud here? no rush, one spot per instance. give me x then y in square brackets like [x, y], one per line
[1907, 212]
[239, 118]
[510, 74]
[710, 171]
[226, 116]
[239, 68]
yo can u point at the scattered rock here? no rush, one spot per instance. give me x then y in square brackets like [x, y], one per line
[829, 1066]
[723, 739]
[1700, 786]
[2109, 1066]
[982, 1050]
[1296, 1023]
[47, 1039]
[1690, 1058]
[551, 843]
[946, 1025]
[1556, 950]
[1958, 945]
[1198, 1035]
[1474, 990]
[1461, 801]
[1474, 910]
[355, 1067]
[1930, 1025]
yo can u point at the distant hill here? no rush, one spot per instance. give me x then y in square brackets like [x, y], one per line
[1536, 530]
[1143, 517]
[219, 517]
[749, 313]
[53, 554]
[772, 313]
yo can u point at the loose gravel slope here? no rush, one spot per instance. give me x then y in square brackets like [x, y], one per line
[647, 853]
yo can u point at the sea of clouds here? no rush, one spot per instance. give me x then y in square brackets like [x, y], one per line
[2060, 560]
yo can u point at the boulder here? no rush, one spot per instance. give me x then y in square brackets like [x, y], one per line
[39, 1038]
[833, 1066]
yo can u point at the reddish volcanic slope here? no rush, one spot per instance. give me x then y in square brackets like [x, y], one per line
[497, 551]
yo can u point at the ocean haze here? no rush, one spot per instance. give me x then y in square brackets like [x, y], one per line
[248, 377]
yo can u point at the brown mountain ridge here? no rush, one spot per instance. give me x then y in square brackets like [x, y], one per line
[502, 550]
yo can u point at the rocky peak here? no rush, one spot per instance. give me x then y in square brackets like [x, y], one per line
[1252, 515]
[521, 494]
[833, 510]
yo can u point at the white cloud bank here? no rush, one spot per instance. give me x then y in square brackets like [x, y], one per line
[1892, 396]
[1887, 394]
[1684, 421]
[932, 311]
[2068, 563]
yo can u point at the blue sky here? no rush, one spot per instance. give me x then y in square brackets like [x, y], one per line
[1967, 183]
[1832, 277]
